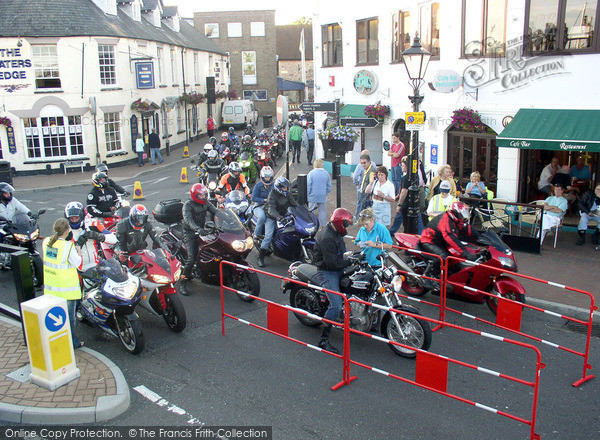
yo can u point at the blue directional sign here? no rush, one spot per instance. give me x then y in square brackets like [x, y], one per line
[55, 319]
[144, 75]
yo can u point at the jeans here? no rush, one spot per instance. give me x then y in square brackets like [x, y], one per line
[398, 222]
[72, 310]
[309, 150]
[396, 177]
[331, 280]
[322, 207]
[296, 152]
[140, 159]
[155, 152]
[270, 224]
[360, 204]
[261, 217]
[585, 218]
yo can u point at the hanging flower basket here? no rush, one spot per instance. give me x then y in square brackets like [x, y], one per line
[232, 94]
[338, 139]
[221, 94]
[467, 119]
[5, 121]
[192, 98]
[140, 106]
[377, 111]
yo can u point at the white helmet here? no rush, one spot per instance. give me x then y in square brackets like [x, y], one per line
[207, 148]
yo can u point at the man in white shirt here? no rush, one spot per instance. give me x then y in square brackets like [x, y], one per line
[440, 202]
[9, 206]
[545, 182]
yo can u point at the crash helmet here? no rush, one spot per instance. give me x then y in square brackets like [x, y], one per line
[247, 139]
[212, 154]
[231, 130]
[207, 148]
[138, 216]
[341, 219]
[6, 188]
[235, 169]
[99, 179]
[266, 175]
[459, 213]
[75, 209]
[262, 135]
[213, 141]
[249, 127]
[103, 168]
[224, 136]
[199, 193]
[282, 186]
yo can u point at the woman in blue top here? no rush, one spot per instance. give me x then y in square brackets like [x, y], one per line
[372, 237]
[476, 188]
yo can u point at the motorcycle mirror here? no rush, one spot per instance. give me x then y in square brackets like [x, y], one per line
[41, 211]
[193, 161]
[386, 145]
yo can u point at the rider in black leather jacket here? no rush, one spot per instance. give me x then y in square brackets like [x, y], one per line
[133, 231]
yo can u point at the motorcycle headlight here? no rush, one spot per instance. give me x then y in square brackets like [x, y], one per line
[397, 283]
[311, 230]
[509, 263]
[126, 291]
[177, 275]
[21, 237]
[212, 185]
[249, 243]
[160, 279]
[35, 234]
[239, 245]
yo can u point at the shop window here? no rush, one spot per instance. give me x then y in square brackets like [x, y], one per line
[75, 135]
[484, 27]
[108, 66]
[400, 34]
[32, 138]
[367, 41]
[54, 137]
[112, 131]
[249, 67]
[468, 152]
[332, 45]
[45, 66]
[429, 28]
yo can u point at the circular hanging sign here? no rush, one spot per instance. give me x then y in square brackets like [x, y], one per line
[446, 81]
[506, 120]
[365, 82]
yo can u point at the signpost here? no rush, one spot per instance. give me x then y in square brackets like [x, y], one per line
[282, 115]
[414, 120]
[360, 122]
[317, 106]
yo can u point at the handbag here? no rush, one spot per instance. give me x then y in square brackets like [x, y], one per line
[144, 156]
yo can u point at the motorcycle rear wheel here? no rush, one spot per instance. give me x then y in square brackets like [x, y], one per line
[417, 334]
[305, 299]
[492, 302]
[174, 315]
[130, 334]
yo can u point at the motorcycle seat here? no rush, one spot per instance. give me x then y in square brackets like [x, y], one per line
[177, 230]
[308, 273]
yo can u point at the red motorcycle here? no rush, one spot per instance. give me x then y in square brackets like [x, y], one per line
[495, 254]
[264, 156]
[158, 271]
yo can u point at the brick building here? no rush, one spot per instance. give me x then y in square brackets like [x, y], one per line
[289, 59]
[249, 37]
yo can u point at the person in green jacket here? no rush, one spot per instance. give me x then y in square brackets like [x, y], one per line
[296, 140]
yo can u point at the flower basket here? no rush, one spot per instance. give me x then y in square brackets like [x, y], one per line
[192, 98]
[221, 94]
[338, 139]
[469, 120]
[5, 121]
[140, 106]
[377, 111]
[232, 94]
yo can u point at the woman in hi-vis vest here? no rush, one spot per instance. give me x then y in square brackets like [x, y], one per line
[61, 260]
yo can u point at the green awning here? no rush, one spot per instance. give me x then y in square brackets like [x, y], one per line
[545, 129]
[353, 111]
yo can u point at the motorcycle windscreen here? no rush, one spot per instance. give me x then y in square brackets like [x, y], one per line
[227, 221]
[112, 269]
[308, 219]
[244, 157]
[21, 223]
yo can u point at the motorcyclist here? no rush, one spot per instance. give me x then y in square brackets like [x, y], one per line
[248, 145]
[263, 141]
[102, 201]
[194, 218]
[225, 143]
[103, 168]
[203, 155]
[87, 232]
[9, 205]
[233, 180]
[132, 232]
[214, 161]
[260, 192]
[213, 142]
[276, 206]
[250, 131]
[329, 258]
[232, 136]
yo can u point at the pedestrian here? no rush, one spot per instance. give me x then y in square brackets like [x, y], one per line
[383, 194]
[210, 126]
[310, 134]
[296, 140]
[402, 210]
[61, 260]
[139, 149]
[154, 144]
[362, 178]
[397, 153]
[319, 185]
[444, 173]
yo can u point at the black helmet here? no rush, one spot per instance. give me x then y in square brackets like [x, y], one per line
[75, 209]
[249, 127]
[282, 186]
[247, 139]
[138, 216]
[213, 141]
[231, 130]
[102, 167]
[6, 188]
[97, 177]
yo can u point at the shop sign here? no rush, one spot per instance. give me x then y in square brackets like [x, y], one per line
[12, 145]
[565, 146]
[133, 122]
[365, 82]
[15, 69]
[523, 144]
[144, 75]
[446, 81]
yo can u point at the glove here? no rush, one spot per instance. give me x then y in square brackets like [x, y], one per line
[96, 236]
[81, 240]
[126, 193]
[123, 256]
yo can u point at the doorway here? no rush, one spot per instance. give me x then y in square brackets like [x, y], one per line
[469, 152]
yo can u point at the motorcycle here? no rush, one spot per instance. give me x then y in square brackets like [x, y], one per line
[294, 235]
[361, 281]
[264, 156]
[209, 175]
[110, 301]
[496, 254]
[227, 155]
[158, 271]
[227, 239]
[248, 165]
[238, 202]
[23, 231]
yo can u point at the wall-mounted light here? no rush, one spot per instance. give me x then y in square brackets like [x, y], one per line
[19, 42]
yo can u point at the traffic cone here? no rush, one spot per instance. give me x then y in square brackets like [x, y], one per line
[137, 191]
[186, 151]
[184, 176]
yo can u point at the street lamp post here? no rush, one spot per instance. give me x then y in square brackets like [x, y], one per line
[415, 60]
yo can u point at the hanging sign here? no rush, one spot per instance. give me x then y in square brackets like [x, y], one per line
[365, 82]
[144, 75]
[12, 145]
[446, 81]
[434, 154]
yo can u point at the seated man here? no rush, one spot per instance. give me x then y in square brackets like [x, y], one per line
[440, 202]
[580, 171]
[372, 237]
[548, 173]
[555, 207]
[589, 209]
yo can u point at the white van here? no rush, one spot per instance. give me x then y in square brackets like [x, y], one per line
[240, 112]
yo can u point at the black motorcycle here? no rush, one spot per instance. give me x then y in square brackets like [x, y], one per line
[23, 231]
[360, 281]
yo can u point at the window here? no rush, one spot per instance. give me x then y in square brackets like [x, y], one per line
[331, 35]
[367, 43]
[234, 30]
[45, 67]
[255, 95]
[484, 27]
[576, 18]
[112, 131]
[248, 67]
[400, 34]
[180, 120]
[106, 57]
[257, 29]
[32, 138]
[429, 28]
[75, 135]
[173, 67]
[211, 30]
[53, 136]
[159, 61]
[228, 110]
[195, 67]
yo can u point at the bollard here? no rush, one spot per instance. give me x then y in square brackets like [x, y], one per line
[184, 175]
[21, 269]
[301, 184]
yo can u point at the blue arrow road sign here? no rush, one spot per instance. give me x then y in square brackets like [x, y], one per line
[55, 319]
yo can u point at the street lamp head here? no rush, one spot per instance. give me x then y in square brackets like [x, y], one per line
[415, 60]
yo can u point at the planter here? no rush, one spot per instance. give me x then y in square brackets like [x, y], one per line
[341, 147]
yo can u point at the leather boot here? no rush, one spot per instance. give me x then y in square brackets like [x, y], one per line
[324, 341]
[581, 238]
[261, 257]
[183, 286]
[596, 237]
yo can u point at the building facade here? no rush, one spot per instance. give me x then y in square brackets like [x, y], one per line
[249, 39]
[290, 39]
[494, 57]
[80, 79]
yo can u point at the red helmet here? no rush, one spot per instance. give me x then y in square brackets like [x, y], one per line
[341, 219]
[460, 213]
[138, 216]
[199, 193]
[224, 136]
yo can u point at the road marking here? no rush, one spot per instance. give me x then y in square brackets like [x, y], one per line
[159, 180]
[155, 398]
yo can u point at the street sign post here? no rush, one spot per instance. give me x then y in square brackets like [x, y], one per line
[414, 120]
[317, 106]
[282, 109]
[360, 122]
[282, 118]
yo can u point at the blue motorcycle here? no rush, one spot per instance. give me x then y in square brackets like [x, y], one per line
[238, 202]
[294, 235]
[109, 302]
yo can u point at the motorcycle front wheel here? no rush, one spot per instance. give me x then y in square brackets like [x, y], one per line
[417, 334]
[304, 298]
[247, 282]
[37, 270]
[174, 315]
[492, 302]
[130, 334]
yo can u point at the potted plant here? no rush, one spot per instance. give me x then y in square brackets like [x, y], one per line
[140, 106]
[5, 121]
[467, 119]
[338, 139]
[221, 94]
[377, 111]
[192, 98]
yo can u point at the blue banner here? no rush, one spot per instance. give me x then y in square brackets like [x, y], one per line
[144, 75]
[12, 145]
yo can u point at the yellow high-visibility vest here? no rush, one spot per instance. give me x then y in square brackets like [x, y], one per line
[438, 204]
[60, 277]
